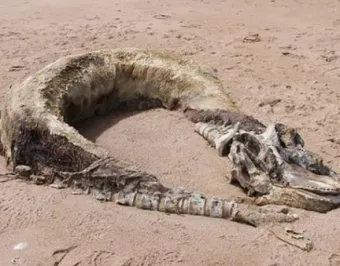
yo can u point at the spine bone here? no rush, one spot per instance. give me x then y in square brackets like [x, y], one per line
[189, 203]
[196, 204]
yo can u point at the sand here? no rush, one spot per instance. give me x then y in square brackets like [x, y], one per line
[290, 73]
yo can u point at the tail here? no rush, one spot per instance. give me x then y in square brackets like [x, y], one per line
[139, 189]
[178, 201]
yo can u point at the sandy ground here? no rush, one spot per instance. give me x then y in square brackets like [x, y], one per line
[290, 74]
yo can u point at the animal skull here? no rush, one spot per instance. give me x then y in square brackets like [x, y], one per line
[274, 167]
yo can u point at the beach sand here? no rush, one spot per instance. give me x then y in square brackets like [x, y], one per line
[280, 62]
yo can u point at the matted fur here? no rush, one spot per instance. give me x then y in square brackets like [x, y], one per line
[78, 87]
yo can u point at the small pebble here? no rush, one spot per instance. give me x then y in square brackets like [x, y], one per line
[20, 246]
[23, 170]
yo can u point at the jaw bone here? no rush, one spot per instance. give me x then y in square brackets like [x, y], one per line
[274, 166]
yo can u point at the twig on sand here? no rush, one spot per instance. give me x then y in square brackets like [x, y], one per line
[294, 238]
[6, 177]
[63, 253]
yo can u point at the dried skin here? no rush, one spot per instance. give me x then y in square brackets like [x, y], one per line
[79, 87]
[39, 114]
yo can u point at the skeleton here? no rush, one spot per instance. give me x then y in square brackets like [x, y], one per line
[274, 167]
[269, 162]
